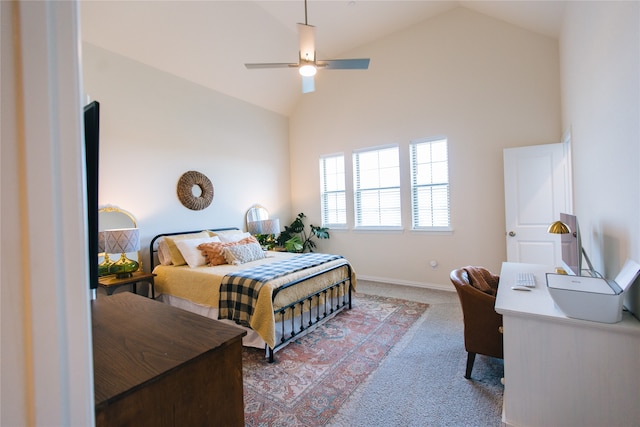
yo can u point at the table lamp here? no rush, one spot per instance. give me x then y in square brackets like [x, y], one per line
[559, 227]
[123, 241]
[103, 267]
[265, 231]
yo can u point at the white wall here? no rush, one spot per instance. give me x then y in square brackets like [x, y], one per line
[154, 127]
[600, 48]
[484, 84]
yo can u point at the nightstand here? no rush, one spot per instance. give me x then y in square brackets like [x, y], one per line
[110, 283]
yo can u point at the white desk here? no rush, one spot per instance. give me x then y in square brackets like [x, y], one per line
[560, 371]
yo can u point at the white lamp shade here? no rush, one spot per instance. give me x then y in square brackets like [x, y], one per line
[254, 227]
[271, 226]
[121, 240]
[101, 242]
[266, 226]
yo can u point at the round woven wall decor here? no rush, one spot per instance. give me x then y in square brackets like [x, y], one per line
[185, 190]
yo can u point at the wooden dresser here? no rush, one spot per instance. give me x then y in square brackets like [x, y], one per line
[156, 365]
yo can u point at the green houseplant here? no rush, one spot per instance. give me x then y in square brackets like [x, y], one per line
[295, 237]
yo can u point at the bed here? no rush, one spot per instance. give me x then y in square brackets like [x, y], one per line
[275, 296]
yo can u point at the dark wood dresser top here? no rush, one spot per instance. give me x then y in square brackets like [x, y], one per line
[137, 340]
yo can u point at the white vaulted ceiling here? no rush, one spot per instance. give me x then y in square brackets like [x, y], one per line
[208, 42]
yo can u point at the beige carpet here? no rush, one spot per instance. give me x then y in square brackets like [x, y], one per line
[421, 382]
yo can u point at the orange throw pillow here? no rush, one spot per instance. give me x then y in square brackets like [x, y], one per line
[214, 251]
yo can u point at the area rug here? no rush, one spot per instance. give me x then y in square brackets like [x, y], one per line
[313, 376]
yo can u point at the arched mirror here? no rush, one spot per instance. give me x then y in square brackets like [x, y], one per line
[257, 213]
[114, 218]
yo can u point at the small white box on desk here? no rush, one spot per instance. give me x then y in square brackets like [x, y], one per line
[592, 298]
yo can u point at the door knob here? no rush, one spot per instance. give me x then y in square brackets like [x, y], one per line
[512, 233]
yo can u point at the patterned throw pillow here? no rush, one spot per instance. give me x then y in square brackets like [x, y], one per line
[214, 252]
[239, 254]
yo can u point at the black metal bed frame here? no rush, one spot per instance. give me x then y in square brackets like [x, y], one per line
[330, 300]
[326, 297]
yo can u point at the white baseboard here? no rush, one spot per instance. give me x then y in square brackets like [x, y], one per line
[424, 285]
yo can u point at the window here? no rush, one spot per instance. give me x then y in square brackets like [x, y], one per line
[332, 192]
[429, 184]
[376, 175]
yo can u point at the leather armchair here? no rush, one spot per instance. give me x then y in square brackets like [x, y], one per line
[476, 288]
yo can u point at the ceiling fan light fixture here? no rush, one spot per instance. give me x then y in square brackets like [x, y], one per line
[307, 70]
[308, 61]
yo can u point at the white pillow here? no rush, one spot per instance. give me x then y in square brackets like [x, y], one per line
[176, 257]
[219, 232]
[243, 253]
[233, 237]
[189, 250]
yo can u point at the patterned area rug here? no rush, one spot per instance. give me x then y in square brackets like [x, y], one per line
[313, 376]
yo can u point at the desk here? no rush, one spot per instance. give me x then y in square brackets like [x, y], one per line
[560, 371]
[159, 366]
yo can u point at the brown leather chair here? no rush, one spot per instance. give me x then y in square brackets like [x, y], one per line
[477, 287]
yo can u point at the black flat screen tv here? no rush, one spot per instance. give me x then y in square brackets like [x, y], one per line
[91, 142]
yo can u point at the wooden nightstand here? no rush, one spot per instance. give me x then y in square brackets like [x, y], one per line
[110, 283]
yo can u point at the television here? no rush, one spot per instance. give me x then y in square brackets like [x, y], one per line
[571, 246]
[91, 143]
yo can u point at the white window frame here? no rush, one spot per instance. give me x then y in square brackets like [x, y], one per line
[333, 185]
[380, 181]
[429, 174]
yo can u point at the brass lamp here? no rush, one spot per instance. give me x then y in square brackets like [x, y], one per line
[123, 241]
[559, 227]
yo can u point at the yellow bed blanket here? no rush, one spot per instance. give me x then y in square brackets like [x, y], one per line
[201, 285]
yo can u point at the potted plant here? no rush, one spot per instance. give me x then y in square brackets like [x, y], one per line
[295, 238]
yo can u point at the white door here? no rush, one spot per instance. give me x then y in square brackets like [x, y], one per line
[537, 189]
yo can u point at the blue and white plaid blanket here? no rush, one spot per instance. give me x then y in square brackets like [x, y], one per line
[239, 290]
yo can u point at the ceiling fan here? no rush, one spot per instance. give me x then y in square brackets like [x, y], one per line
[308, 63]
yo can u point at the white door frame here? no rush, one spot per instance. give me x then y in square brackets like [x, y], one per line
[566, 143]
[47, 357]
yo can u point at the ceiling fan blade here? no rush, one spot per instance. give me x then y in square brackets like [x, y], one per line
[308, 84]
[307, 35]
[271, 65]
[345, 64]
